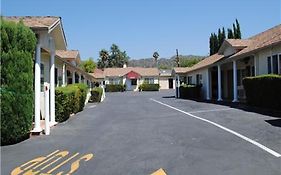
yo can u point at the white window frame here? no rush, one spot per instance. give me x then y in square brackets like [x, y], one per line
[271, 62]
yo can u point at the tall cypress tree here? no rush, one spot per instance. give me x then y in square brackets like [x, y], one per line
[230, 33]
[211, 44]
[234, 31]
[223, 34]
[216, 43]
[238, 31]
[219, 37]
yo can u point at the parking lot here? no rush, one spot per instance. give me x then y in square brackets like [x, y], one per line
[142, 132]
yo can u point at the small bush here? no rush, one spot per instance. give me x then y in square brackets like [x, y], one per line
[63, 109]
[96, 94]
[82, 96]
[190, 91]
[263, 91]
[149, 87]
[115, 88]
[69, 99]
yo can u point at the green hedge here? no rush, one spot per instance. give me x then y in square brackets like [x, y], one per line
[149, 87]
[70, 99]
[17, 95]
[190, 91]
[263, 91]
[96, 94]
[115, 88]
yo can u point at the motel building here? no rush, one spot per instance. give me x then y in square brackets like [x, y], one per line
[54, 65]
[221, 74]
[132, 77]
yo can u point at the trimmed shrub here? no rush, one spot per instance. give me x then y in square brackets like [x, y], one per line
[115, 88]
[190, 91]
[17, 95]
[69, 99]
[149, 87]
[263, 91]
[83, 94]
[63, 109]
[96, 94]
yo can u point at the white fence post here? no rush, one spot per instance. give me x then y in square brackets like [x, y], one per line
[47, 116]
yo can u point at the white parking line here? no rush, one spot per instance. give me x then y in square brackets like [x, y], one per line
[270, 151]
[211, 110]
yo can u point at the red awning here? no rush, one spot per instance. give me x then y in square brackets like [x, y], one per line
[133, 75]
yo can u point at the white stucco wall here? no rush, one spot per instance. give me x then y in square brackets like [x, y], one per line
[261, 57]
[203, 72]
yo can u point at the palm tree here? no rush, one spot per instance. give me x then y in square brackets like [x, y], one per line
[156, 56]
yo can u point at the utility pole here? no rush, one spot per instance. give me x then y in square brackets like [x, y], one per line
[177, 58]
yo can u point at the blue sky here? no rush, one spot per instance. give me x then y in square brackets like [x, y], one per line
[143, 26]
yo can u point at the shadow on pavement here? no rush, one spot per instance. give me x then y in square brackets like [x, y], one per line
[275, 122]
[240, 105]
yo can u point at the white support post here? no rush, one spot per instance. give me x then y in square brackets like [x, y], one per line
[256, 65]
[47, 117]
[279, 63]
[219, 83]
[73, 77]
[63, 75]
[37, 89]
[52, 82]
[178, 86]
[235, 96]
[80, 78]
[208, 85]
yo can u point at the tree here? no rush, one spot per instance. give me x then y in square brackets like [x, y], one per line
[113, 58]
[17, 94]
[102, 62]
[189, 62]
[238, 31]
[230, 33]
[216, 40]
[156, 56]
[88, 65]
[234, 30]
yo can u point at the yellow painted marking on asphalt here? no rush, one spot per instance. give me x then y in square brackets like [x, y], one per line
[64, 162]
[75, 165]
[44, 159]
[159, 172]
[50, 158]
[61, 154]
[32, 167]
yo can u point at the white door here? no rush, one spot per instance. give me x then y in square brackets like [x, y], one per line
[128, 85]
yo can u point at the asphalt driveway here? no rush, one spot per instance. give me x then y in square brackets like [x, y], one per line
[139, 133]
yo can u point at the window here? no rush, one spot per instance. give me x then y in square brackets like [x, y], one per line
[275, 64]
[199, 79]
[189, 80]
[114, 81]
[134, 82]
[269, 65]
[149, 80]
[272, 64]
[42, 76]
